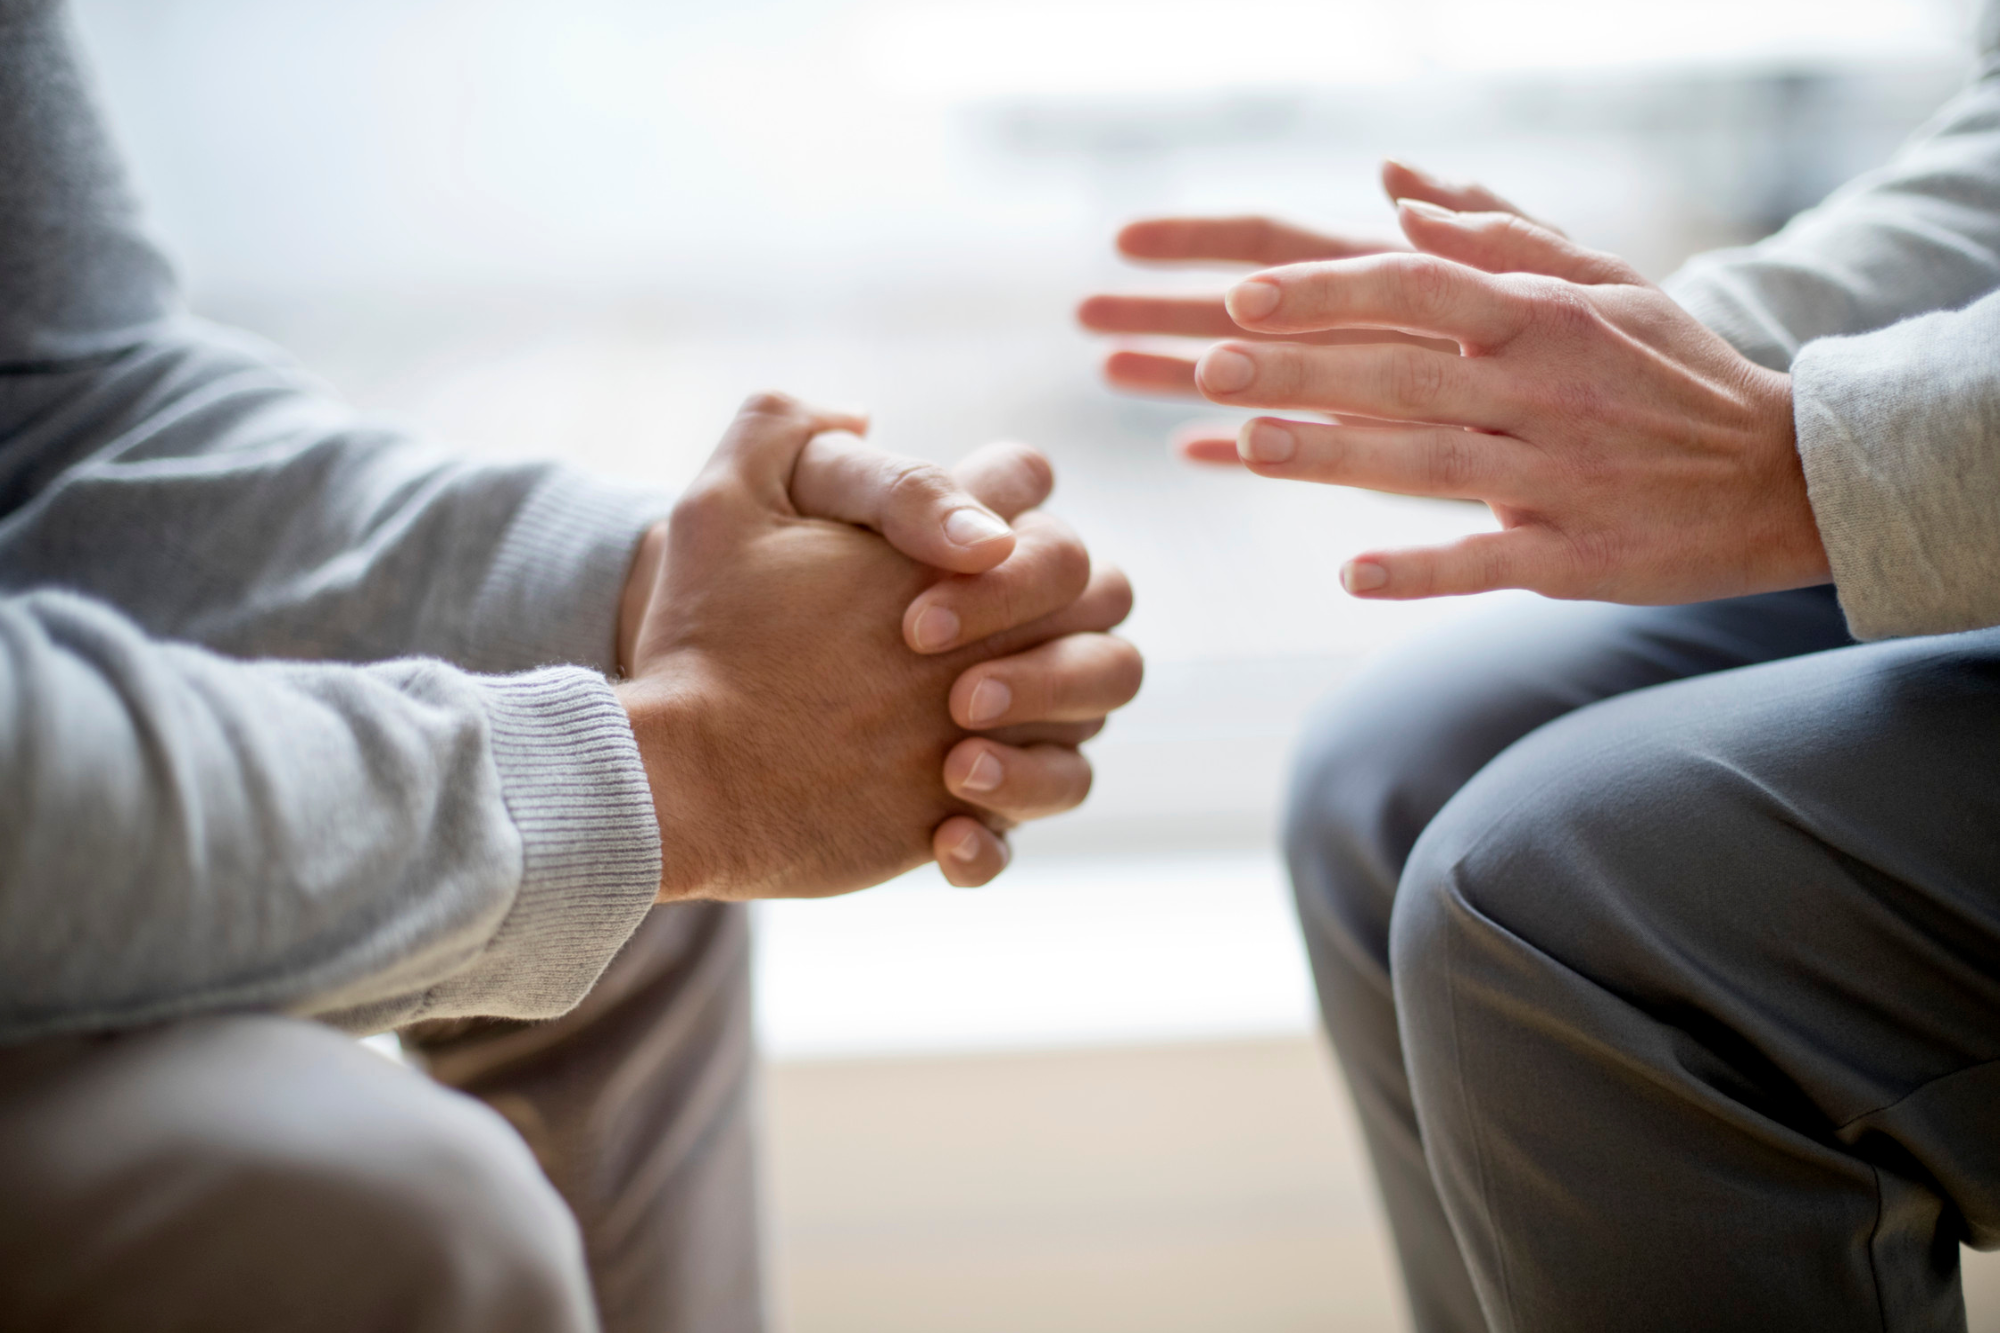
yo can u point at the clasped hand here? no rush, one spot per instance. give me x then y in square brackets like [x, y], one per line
[1628, 453]
[840, 663]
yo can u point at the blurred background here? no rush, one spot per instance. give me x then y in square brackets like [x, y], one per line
[1091, 1096]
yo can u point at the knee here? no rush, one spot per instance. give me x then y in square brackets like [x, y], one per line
[1360, 794]
[272, 1173]
[1583, 858]
[428, 1191]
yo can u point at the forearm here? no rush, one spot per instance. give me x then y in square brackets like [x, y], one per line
[218, 495]
[188, 834]
[1920, 234]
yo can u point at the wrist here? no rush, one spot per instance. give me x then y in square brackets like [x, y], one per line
[1793, 555]
[641, 579]
[666, 720]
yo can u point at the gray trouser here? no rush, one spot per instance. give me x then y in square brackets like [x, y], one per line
[1661, 951]
[260, 1173]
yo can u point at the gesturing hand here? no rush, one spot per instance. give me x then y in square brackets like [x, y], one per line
[1257, 241]
[1629, 453]
[795, 739]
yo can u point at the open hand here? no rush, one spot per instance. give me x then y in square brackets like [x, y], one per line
[1629, 453]
[799, 688]
[1257, 241]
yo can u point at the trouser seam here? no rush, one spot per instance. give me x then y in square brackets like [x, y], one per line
[1479, 1153]
[1874, 1233]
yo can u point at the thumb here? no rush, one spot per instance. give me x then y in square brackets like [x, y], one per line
[1507, 243]
[923, 510]
[762, 445]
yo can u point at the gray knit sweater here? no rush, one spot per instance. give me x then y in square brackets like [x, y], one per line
[284, 717]
[298, 714]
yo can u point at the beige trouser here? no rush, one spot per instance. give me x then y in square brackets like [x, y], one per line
[262, 1173]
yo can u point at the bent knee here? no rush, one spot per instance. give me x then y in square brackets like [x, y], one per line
[1601, 844]
[268, 1173]
[1373, 767]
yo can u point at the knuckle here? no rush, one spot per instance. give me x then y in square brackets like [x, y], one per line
[914, 483]
[1448, 461]
[1416, 379]
[1081, 777]
[699, 503]
[1126, 670]
[769, 403]
[1591, 558]
[1038, 475]
[1423, 284]
[1562, 310]
[1069, 566]
[1115, 589]
[1518, 228]
[701, 516]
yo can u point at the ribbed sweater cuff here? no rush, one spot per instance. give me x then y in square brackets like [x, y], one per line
[553, 589]
[572, 780]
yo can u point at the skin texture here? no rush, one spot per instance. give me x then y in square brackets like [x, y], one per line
[1628, 453]
[799, 740]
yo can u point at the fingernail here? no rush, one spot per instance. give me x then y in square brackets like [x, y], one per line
[990, 699]
[967, 847]
[970, 527]
[1253, 299]
[1265, 443]
[985, 773]
[1363, 576]
[936, 628]
[1225, 370]
[1424, 208]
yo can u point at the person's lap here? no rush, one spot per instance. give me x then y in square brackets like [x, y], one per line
[262, 1172]
[1700, 989]
[1390, 749]
[1690, 980]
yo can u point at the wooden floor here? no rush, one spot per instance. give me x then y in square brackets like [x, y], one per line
[1182, 1189]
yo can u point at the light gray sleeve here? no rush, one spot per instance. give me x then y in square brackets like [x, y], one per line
[1899, 431]
[1920, 234]
[1898, 417]
[216, 494]
[184, 833]
[201, 483]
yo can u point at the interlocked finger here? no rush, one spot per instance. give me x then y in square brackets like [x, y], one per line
[1047, 733]
[968, 852]
[1017, 784]
[762, 445]
[1048, 571]
[1009, 478]
[1076, 678]
[923, 510]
